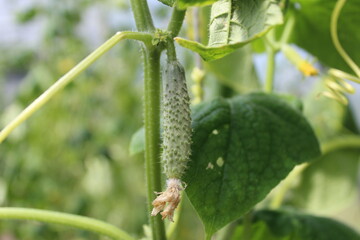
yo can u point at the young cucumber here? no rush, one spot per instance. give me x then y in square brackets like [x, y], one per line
[176, 137]
[176, 121]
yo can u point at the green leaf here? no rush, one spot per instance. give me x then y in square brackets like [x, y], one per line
[168, 2]
[257, 230]
[28, 15]
[236, 71]
[291, 100]
[325, 115]
[242, 148]
[233, 24]
[329, 184]
[312, 30]
[296, 226]
[137, 143]
[350, 123]
[181, 4]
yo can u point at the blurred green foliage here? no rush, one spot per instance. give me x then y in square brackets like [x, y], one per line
[72, 156]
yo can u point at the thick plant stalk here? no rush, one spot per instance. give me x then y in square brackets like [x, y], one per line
[142, 16]
[176, 138]
[152, 134]
[151, 56]
[176, 21]
[270, 64]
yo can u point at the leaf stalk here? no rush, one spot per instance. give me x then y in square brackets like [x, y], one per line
[270, 64]
[69, 76]
[66, 219]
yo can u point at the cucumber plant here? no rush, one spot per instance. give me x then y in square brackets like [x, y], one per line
[228, 154]
[176, 137]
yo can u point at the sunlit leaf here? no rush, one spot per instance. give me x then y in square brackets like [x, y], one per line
[233, 24]
[312, 30]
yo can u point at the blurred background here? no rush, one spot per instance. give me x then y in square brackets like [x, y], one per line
[73, 155]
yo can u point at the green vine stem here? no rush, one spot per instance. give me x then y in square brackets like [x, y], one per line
[285, 185]
[334, 36]
[152, 94]
[272, 47]
[340, 143]
[76, 221]
[174, 26]
[143, 19]
[69, 76]
[227, 232]
[152, 135]
[247, 232]
[289, 26]
[152, 87]
[151, 114]
[170, 51]
[270, 65]
[176, 21]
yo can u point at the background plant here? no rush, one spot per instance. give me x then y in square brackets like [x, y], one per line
[94, 149]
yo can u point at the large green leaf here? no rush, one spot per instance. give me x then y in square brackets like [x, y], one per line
[256, 231]
[137, 143]
[170, 3]
[312, 30]
[183, 4]
[233, 24]
[295, 226]
[329, 184]
[190, 3]
[236, 71]
[242, 148]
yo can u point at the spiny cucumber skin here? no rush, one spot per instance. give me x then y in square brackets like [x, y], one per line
[176, 121]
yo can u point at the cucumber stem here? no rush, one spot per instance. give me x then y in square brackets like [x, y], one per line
[152, 135]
